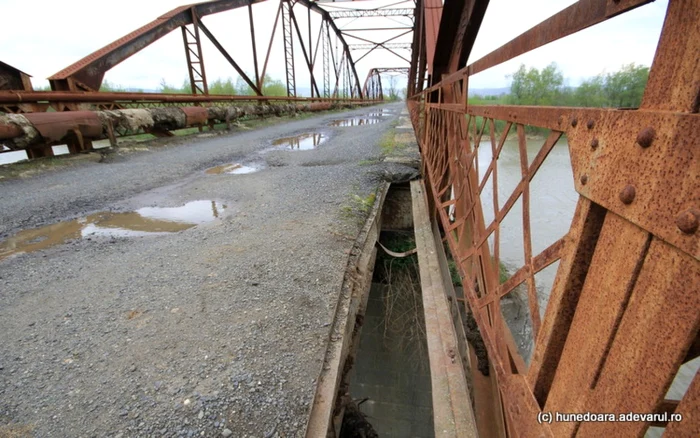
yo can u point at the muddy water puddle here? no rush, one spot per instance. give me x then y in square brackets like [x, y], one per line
[142, 222]
[354, 121]
[301, 142]
[234, 169]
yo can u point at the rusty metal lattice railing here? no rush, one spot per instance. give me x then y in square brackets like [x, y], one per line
[624, 310]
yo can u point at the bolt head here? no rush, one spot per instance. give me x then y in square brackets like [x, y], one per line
[594, 143]
[590, 124]
[646, 137]
[688, 221]
[584, 179]
[627, 194]
[574, 122]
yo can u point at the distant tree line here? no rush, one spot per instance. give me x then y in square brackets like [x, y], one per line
[271, 87]
[531, 86]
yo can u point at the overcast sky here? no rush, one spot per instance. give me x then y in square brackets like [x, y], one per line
[42, 37]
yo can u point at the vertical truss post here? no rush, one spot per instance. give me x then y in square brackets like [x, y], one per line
[415, 50]
[326, 43]
[307, 56]
[288, 38]
[336, 67]
[346, 82]
[195, 60]
[311, 49]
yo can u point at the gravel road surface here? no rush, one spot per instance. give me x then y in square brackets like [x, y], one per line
[216, 330]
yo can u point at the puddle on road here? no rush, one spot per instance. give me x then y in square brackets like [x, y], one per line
[381, 112]
[355, 121]
[234, 169]
[142, 222]
[302, 142]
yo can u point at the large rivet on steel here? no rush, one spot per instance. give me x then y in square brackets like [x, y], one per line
[688, 221]
[574, 122]
[590, 124]
[627, 194]
[594, 143]
[584, 179]
[646, 137]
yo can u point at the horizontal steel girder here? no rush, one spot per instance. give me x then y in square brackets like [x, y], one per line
[363, 13]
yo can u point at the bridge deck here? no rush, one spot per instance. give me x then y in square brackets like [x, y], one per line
[220, 326]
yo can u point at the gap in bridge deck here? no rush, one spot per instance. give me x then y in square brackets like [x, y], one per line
[391, 376]
[390, 380]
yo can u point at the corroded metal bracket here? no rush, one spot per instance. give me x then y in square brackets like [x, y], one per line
[643, 166]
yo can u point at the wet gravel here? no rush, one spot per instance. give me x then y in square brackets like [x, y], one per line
[218, 330]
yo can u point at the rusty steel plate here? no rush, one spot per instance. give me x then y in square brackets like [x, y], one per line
[644, 166]
[55, 126]
[195, 115]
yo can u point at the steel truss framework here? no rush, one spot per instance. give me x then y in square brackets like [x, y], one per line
[88, 73]
[338, 76]
[623, 314]
[373, 83]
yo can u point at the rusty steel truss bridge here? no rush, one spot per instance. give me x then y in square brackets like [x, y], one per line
[624, 311]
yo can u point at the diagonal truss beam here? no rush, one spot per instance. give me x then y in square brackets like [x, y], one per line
[228, 57]
[399, 46]
[88, 73]
[269, 47]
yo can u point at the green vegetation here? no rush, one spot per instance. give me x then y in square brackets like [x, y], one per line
[387, 267]
[358, 207]
[388, 143]
[622, 89]
[503, 274]
[454, 272]
[363, 205]
[531, 86]
[222, 87]
[271, 87]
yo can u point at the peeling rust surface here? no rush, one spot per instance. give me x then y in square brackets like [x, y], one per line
[56, 126]
[646, 169]
[9, 131]
[623, 314]
[195, 115]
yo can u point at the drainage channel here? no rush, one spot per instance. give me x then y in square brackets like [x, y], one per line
[385, 370]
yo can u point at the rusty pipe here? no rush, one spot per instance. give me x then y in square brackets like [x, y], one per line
[17, 97]
[26, 130]
[10, 131]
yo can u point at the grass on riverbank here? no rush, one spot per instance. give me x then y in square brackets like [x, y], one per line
[503, 274]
